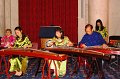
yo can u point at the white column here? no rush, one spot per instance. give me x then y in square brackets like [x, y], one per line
[2, 17]
[11, 14]
[7, 14]
[14, 14]
[114, 17]
[98, 9]
[82, 17]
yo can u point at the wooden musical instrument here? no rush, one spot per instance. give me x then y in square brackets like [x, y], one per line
[46, 55]
[96, 52]
[91, 51]
[33, 53]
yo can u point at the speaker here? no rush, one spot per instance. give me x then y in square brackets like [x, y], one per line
[47, 33]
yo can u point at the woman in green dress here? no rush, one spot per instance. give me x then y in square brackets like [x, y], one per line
[19, 63]
[101, 29]
[59, 40]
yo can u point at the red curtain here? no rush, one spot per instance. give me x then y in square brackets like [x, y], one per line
[36, 13]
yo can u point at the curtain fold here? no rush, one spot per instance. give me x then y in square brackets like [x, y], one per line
[36, 13]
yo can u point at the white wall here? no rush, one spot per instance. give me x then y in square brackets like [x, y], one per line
[2, 18]
[114, 17]
[14, 14]
[98, 9]
[82, 17]
[8, 15]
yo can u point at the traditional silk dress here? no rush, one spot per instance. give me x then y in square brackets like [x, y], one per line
[19, 63]
[104, 32]
[61, 65]
[7, 41]
[20, 44]
[61, 42]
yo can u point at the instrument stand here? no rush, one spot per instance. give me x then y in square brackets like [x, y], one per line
[82, 62]
[96, 65]
[115, 61]
[48, 62]
[75, 64]
[3, 59]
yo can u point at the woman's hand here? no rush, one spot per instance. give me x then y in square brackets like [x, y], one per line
[25, 46]
[70, 44]
[50, 43]
[9, 46]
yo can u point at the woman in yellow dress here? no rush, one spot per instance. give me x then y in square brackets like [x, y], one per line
[60, 40]
[18, 63]
[101, 29]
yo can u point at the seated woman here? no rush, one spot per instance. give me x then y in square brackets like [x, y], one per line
[7, 40]
[18, 63]
[60, 40]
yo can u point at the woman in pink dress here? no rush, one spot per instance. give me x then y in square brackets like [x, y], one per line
[7, 40]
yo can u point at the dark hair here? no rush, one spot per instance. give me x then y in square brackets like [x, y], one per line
[18, 28]
[61, 31]
[9, 30]
[88, 25]
[97, 27]
[23, 36]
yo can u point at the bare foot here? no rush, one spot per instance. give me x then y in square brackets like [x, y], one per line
[18, 73]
